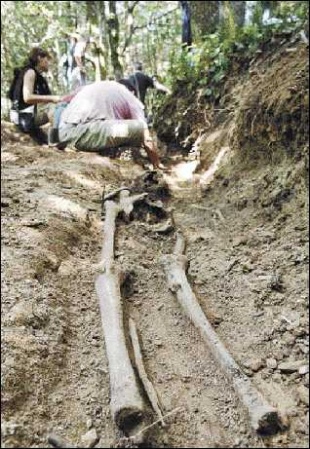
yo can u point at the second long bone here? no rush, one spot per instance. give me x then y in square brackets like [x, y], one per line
[264, 418]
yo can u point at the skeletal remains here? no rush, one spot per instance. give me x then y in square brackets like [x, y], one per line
[127, 405]
[126, 402]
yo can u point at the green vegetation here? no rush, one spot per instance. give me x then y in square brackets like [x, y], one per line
[149, 31]
[209, 62]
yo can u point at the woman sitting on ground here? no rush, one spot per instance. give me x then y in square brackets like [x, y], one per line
[31, 89]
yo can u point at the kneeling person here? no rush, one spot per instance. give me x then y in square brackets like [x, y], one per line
[104, 115]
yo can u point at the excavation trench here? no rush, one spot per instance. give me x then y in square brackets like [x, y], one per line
[54, 335]
[127, 407]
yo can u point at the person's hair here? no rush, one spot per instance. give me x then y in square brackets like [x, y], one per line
[138, 65]
[130, 86]
[35, 54]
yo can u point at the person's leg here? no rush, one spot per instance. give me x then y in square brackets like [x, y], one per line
[53, 134]
[43, 114]
[27, 124]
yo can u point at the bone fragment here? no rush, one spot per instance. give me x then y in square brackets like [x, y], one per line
[148, 386]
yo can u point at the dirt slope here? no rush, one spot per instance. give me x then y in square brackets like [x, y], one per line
[55, 373]
[246, 226]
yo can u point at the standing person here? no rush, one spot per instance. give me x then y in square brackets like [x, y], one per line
[79, 71]
[186, 24]
[104, 115]
[31, 89]
[71, 64]
[142, 82]
[67, 63]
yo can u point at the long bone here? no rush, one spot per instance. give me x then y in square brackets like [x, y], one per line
[264, 418]
[126, 403]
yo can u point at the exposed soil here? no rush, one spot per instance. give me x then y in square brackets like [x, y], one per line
[246, 227]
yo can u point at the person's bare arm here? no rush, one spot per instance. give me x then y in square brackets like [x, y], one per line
[161, 87]
[79, 53]
[29, 96]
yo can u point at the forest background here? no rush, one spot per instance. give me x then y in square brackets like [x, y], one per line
[191, 41]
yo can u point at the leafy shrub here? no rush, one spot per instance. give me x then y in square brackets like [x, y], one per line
[206, 64]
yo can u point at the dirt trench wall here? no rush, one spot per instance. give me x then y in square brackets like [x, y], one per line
[264, 105]
[272, 119]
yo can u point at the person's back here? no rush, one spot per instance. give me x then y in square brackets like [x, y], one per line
[142, 82]
[103, 100]
[106, 114]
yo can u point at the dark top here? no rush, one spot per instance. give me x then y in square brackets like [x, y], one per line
[40, 87]
[141, 82]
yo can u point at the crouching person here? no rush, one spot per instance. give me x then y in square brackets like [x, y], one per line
[105, 115]
[28, 90]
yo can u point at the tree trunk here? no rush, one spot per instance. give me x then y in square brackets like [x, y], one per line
[205, 17]
[113, 33]
[239, 12]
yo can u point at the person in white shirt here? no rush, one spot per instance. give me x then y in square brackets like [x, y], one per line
[105, 114]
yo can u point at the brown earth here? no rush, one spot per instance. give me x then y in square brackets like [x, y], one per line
[246, 226]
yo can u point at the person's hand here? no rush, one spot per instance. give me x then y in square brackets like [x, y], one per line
[56, 98]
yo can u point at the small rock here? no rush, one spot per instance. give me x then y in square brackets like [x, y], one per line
[303, 394]
[275, 282]
[89, 423]
[303, 370]
[21, 313]
[239, 241]
[90, 439]
[289, 339]
[165, 228]
[254, 365]
[271, 363]
[291, 367]
[276, 377]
